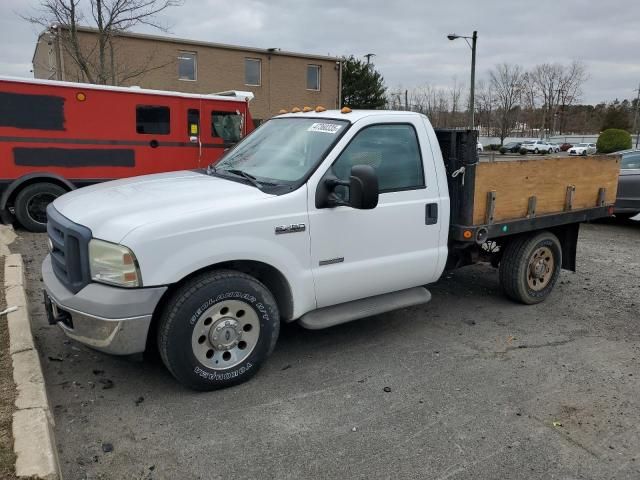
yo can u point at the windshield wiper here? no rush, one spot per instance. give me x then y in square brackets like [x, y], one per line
[248, 176]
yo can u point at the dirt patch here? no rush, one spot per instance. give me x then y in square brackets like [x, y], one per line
[7, 393]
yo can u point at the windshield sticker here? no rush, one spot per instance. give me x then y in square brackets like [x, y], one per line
[331, 128]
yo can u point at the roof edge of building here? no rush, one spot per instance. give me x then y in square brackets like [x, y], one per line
[184, 41]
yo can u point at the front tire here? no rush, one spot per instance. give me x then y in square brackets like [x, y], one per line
[530, 267]
[31, 205]
[218, 329]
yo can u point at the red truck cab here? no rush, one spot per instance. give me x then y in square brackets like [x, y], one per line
[58, 136]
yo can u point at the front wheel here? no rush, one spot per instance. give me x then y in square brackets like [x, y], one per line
[530, 267]
[31, 205]
[218, 329]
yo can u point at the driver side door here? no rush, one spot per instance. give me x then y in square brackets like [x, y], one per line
[361, 253]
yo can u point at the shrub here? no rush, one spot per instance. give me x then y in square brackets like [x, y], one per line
[502, 150]
[523, 151]
[614, 140]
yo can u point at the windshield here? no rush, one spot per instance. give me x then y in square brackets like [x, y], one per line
[282, 151]
[582, 145]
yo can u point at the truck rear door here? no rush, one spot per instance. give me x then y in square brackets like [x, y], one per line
[360, 253]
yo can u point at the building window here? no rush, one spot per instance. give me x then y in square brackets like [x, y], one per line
[187, 66]
[252, 71]
[227, 126]
[313, 77]
[152, 119]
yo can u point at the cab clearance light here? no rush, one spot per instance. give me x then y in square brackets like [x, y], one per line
[345, 110]
[320, 108]
[282, 111]
[307, 109]
[295, 110]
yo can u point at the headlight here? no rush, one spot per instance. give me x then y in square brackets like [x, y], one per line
[113, 264]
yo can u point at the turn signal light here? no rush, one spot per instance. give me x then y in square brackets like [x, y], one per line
[467, 234]
[81, 97]
[345, 110]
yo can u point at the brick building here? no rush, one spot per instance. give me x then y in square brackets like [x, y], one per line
[277, 78]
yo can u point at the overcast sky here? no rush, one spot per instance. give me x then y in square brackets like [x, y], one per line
[407, 36]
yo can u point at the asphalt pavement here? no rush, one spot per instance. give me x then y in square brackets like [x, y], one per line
[469, 386]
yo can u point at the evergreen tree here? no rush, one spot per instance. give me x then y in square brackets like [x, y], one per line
[362, 86]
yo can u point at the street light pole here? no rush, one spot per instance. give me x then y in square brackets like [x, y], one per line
[472, 100]
[635, 117]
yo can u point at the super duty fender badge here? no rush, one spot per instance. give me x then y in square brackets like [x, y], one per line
[293, 228]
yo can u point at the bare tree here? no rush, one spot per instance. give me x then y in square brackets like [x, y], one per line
[507, 81]
[570, 88]
[485, 105]
[97, 61]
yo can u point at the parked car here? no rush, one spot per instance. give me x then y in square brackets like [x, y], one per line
[512, 147]
[207, 263]
[537, 146]
[480, 148]
[583, 149]
[565, 146]
[555, 147]
[628, 199]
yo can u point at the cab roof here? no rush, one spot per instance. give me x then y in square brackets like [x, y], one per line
[352, 116]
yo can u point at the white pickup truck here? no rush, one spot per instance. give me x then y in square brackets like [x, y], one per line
[320, 217]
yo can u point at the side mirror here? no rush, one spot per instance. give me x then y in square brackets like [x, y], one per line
[363, 187]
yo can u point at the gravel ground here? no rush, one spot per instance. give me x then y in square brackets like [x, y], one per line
[478, 388]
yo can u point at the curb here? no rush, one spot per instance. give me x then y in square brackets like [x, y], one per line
[34, 441]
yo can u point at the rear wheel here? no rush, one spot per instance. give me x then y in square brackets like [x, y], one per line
[218, 329]
[31, 205]
[530, 267]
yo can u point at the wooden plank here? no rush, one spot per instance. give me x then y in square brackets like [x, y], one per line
[547, 179]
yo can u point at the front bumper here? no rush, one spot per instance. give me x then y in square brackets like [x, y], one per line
[110, 319]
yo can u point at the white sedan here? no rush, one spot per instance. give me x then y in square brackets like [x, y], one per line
[583, 149]
[479, 147]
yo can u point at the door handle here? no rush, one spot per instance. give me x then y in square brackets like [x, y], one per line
[431, 214]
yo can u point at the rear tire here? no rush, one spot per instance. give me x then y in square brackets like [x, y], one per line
[218, 329]
[530, 267]
[31, 205]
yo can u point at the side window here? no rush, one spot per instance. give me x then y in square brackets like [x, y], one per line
[193, 122]
[392, 149]
[152, 119]
[227, 126]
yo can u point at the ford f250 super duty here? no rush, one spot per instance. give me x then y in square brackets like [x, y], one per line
[319, 217]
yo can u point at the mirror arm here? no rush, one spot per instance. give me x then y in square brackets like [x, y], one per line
[332, 183]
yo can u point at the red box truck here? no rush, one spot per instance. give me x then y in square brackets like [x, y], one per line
[58, 136]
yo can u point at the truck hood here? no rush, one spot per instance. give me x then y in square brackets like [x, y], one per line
[113, 209]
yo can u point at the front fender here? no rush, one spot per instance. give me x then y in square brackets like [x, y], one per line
[290, 256]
